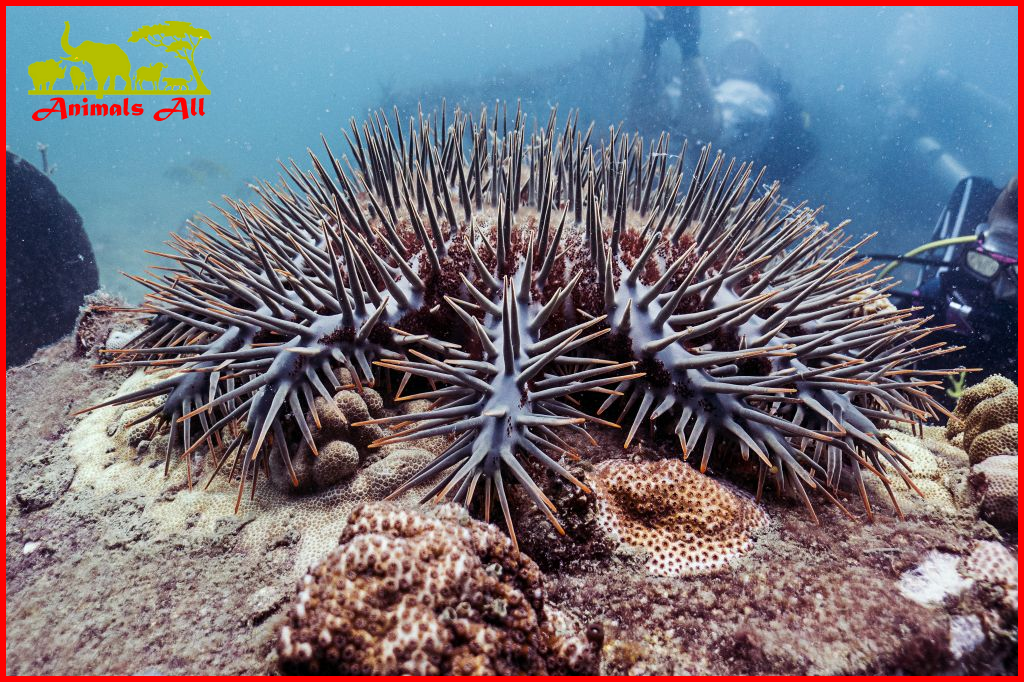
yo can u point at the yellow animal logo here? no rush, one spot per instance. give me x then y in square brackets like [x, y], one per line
[148, 74]
[44, 75]
[108, 65]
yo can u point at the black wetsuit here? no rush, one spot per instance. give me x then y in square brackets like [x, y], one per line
[681, 24]
[986, 325]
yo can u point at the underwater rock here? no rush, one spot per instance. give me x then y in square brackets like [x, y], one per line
[687, 523]
[50, 263]
[410, 593]
[584, 537]
[102, 325]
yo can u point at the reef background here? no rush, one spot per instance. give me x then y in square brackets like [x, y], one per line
[133, 179]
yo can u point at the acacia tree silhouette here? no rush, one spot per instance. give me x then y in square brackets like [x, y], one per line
[179, 38]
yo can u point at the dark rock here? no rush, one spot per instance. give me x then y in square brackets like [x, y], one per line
[50, 263]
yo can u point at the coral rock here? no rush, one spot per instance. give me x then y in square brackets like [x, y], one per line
[937, 470]
[873, 302]
[337, 461]
[98, 325]
[687, 522]
[988, 406]
[380, 478]
[990, 562]
[576, 649]
[332, 422]
[993, 442]
[353, 406]
[994, 485]
[410, 593]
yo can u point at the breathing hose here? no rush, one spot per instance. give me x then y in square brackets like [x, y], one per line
[926, 247]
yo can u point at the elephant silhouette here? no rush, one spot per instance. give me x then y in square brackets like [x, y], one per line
[148, 74]
[45, 74]
[171, 84]
[107, 59]
[78, 78]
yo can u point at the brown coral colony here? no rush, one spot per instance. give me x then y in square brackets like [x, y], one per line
[531, 282]
[407, 593]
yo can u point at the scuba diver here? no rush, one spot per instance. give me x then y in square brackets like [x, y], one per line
[937, 129]
[737, 101]
[972, 287]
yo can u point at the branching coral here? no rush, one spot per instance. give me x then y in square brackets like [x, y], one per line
[735, 317]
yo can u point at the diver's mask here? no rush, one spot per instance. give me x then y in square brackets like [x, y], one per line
[997, 269]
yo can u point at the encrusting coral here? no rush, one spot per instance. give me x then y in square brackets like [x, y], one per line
[410, 593]
[685, 522]
[939, 473]
[519, 274]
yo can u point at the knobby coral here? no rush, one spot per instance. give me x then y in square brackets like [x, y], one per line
[408, 593]
[986, 418]
[516, 275]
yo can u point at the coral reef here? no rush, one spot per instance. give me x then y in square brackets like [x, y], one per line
[684, 522]
[805, 599]
[937, 481]
[984, 424]
[705, 306]
[970, 466]
[409, 593]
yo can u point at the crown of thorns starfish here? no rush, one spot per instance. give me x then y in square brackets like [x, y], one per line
[518, 273]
